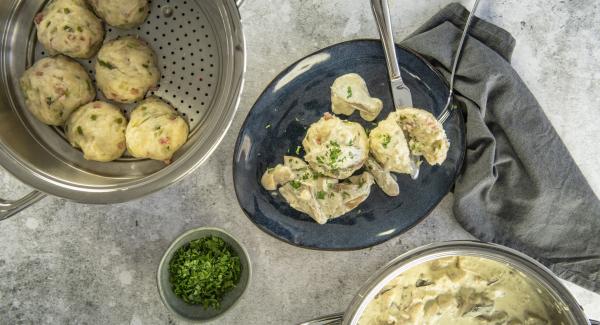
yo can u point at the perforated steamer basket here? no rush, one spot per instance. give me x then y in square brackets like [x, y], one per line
[201, 53]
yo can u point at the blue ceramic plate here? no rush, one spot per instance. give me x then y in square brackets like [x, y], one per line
[298, 97]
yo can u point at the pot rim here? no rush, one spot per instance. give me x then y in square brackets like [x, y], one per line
[532, 268]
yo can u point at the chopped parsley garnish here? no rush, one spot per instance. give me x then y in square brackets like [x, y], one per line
[385, 140]
[334, 152]
[93, 117]
[145, 65]
[67, 11]
[105, 64]
[202, 271]
[332, 157]
[79, 130]
[68, 28]
[320, 195]
[345, 195]
[119, 120]
[349, 92]
[298, 148]
[79, 29]
[49, 100]
[295, 184]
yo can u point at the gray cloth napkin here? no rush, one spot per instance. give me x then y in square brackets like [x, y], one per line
[519, 186]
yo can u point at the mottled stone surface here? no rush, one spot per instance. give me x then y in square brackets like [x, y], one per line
[68, 263]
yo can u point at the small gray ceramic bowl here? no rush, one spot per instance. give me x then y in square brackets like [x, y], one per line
[197, 313]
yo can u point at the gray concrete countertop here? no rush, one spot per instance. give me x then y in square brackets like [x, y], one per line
[68, 263]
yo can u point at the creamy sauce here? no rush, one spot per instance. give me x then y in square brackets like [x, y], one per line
[461, 290]
[389, 146]
[426, 134]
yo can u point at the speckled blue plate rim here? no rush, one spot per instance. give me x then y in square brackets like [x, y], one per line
[460, 161]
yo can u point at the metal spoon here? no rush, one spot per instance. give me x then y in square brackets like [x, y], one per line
[400, 92]
[446, 112]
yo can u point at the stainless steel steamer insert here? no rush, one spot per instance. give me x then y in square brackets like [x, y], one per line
[201, 53]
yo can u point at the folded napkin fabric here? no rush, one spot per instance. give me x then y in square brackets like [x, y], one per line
[519, 186]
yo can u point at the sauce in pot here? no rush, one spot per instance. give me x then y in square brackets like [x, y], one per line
[462, 290]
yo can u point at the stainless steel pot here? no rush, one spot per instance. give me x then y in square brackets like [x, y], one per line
[201, 52]
[536, 272]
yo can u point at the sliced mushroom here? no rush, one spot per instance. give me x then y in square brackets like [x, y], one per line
[349, 92]
[294, 163]
[276, 176]
[358, 191]
[383, 178]
[304, 200]
[323, 198]
[292, 168]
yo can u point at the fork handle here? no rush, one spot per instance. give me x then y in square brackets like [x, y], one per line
[446, 112]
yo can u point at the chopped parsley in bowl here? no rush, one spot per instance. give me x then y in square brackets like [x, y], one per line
[203, 274]
[203, 270]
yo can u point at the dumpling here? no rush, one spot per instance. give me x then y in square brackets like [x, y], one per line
[349, 92]
[389, 146]
[126, 68]
[98, 128]
[122, 14]
[54, 87]
[155, 130]
[324, 198]
[386, 181]
[69, 27]
[334, 147]
[427, 137]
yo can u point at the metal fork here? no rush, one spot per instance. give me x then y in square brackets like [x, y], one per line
[447, 109]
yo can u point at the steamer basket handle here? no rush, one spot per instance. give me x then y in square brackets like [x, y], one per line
[9, 208]
[239, 3]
